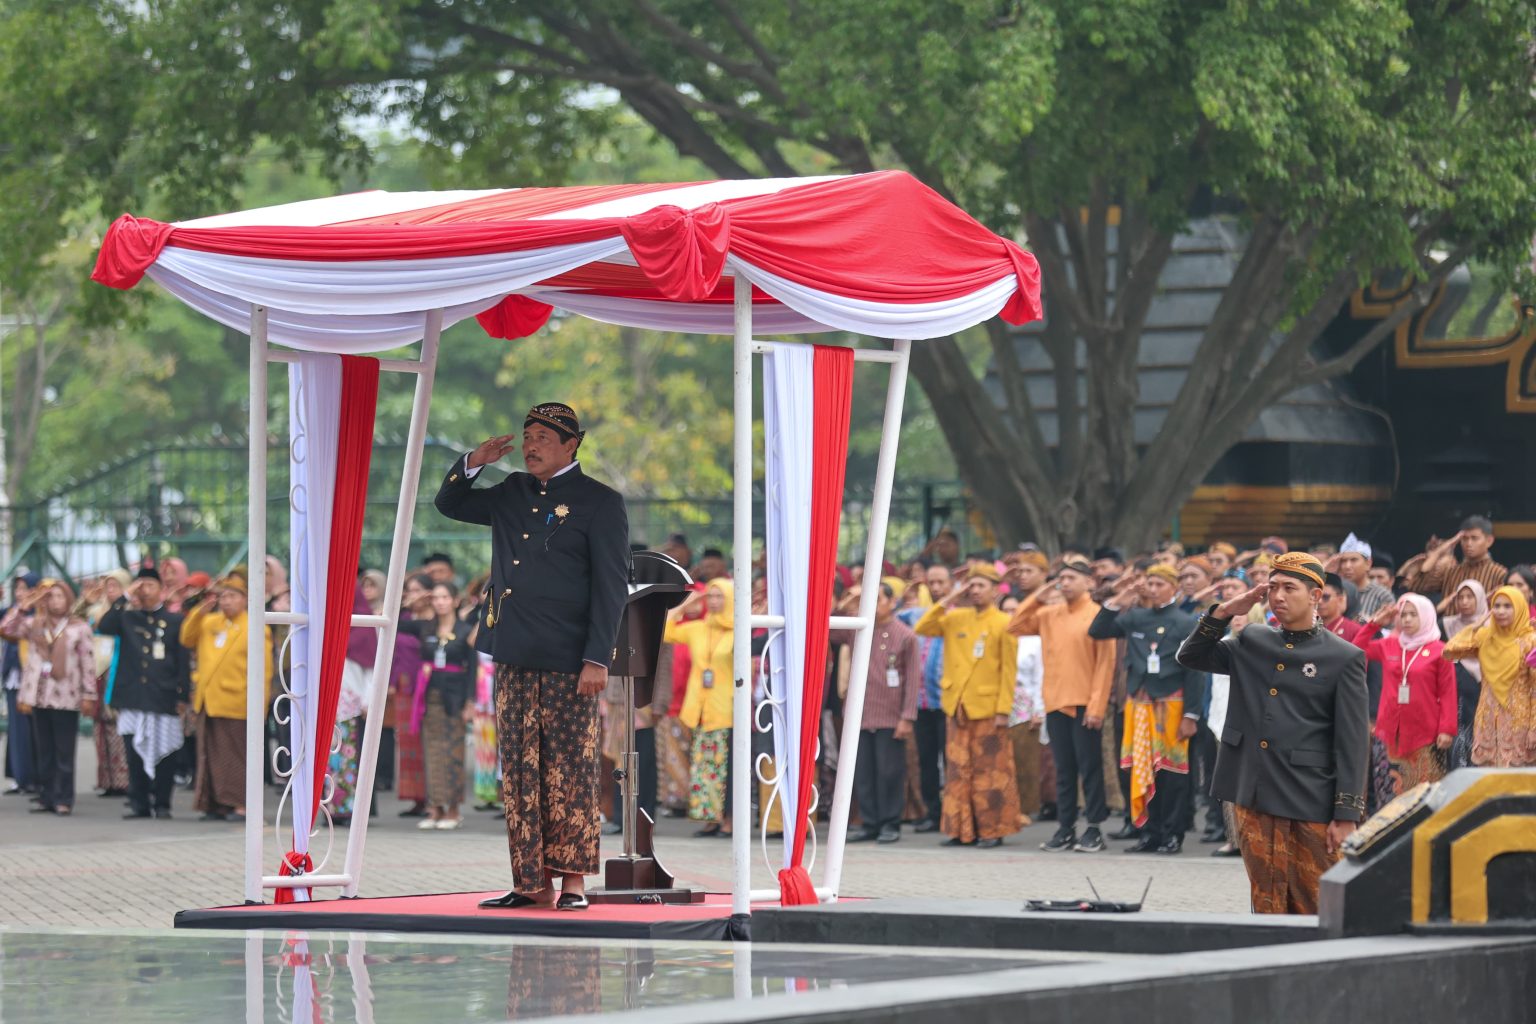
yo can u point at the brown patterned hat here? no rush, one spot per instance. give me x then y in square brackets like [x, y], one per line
[559, 417]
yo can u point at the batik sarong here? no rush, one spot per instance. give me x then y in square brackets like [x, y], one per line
[1151, 744]
[1285, 859]
[548, 733]
[981, 795]
[708, 773]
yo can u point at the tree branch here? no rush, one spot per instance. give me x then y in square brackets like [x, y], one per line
[1053, 266]
[703, 51]
[1005, 356]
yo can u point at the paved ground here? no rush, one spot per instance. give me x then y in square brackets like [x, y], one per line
[94, 869]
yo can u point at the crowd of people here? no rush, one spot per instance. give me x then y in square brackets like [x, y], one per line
[1000, 691]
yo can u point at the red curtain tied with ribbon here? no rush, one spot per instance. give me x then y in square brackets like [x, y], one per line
[833, 402]
[354, 454]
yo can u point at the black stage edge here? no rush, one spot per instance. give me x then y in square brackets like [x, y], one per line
[995, 924]
[1346, 981]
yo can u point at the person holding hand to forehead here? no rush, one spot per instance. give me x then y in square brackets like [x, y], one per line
[1295, 745]
[981, 796]
[1416, 718]
[559, 577]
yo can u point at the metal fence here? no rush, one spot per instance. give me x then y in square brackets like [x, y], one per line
[189, 499]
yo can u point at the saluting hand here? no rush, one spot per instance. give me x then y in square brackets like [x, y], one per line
[1242, 604]
[492, 449]
[1385, 616]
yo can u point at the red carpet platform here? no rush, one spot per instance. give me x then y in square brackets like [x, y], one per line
[459, 912]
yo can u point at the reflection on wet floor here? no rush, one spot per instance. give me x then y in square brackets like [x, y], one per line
[131, 977]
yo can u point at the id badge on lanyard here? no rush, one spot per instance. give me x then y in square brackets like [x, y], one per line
[440, 657]
[979, 651]
[1402, 687]
[707, 678]
[892, 677]
[1154, 662]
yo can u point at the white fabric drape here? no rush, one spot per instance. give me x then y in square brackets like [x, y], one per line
[789, 435]
[912, 321]
[314, 416]
[363, 306]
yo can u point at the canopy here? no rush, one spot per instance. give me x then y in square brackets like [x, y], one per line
[876, 254]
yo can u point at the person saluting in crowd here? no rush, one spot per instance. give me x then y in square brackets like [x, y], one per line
[58, 685]
[1296, 741]
[559, 577]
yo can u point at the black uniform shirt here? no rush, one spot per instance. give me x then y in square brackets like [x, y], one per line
[145, 682]
[1296, 742]
[559, 566]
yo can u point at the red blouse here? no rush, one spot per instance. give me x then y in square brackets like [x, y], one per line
[1431, 707]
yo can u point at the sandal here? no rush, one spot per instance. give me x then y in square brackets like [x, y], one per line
[707, 832]
[572, 901]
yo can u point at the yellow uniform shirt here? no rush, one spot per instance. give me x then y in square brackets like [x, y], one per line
[980, 659]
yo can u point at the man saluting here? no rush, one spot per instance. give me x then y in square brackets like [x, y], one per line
[559, 576]
[1296, 742]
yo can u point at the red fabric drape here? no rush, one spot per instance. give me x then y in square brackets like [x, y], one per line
[516, 316]
[294, 863]
[354, 452]
[681, 251]
[833, 402]
[131, 245]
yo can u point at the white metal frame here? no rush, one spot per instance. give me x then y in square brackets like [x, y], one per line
[744, 348]
[386, 622]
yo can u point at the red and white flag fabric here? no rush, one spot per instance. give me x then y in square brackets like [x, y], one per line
[877, 254]
[807, 401]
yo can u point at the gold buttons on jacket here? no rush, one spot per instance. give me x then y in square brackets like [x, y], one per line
[535, 510]
[1274, 692]
[453, 478]
[1264, 744]
[525, 536]
[516, 562]
[1280, 667]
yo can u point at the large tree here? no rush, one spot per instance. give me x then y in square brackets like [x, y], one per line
[1352, 138]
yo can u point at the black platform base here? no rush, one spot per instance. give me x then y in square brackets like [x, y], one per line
[995, 924]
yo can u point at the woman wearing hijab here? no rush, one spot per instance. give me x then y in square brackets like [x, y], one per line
[1504, 732]
[1468, 607]
[707, 702]
[1416, 718]
[58, 685]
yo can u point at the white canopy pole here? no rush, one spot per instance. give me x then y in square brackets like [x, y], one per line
[399, 555]
[741, 664]
[858, 673]
[256, 615]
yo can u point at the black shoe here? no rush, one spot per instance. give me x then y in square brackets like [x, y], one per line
[241, 817]
[414, 811]
[1146, 844]
[572, 901]
[163, 814]
[511, 901]
[1126, 831]
[956, 841]
[1227, 850]
[136, 814]
[926, 825]
[1092, 841]
[12, 790]
[211, 816]
[611, 828]
[707, 832]
[1171, 845]
[988, 844]
[862, 835]
[1047, 813]
[889, 835]
[1064, 839]
[775, 835]
[1212, 835]
[41, 809]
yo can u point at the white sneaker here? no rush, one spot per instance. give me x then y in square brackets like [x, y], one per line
[427, 824]
[448, 824]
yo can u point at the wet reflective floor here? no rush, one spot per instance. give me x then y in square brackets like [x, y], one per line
[158, 977]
